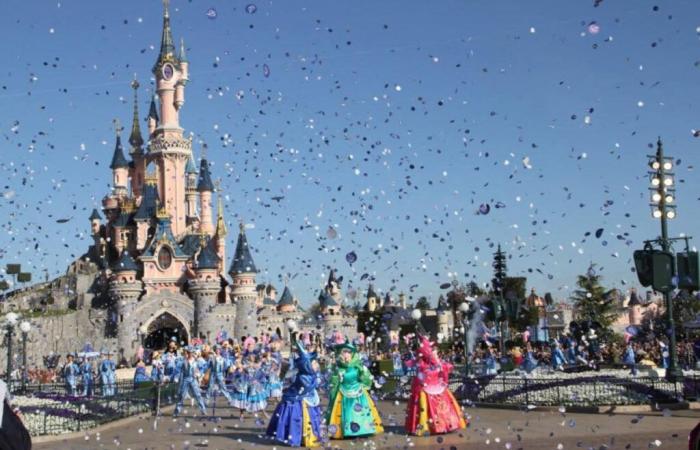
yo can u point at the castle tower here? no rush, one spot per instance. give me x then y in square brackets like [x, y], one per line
[191, 194]
[168, 149]
[205, 288]
[138, 170]
[152, 116]
[119, 166]
[443, 317]
[402, 300]
[205, 187]
[125, 290]
[95, 222]
[635, 308]
[221, 231]
[243, 292]
[286, 303]
[371, 299]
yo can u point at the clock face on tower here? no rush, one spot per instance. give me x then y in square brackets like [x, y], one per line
[168, 71]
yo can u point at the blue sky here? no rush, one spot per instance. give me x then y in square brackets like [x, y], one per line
[391, 122]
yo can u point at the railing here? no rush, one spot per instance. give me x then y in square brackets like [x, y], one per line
[50, 409]
[585, 389]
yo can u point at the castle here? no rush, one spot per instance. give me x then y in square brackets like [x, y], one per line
[157, 268]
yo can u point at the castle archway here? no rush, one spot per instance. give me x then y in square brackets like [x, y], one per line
[161, 329]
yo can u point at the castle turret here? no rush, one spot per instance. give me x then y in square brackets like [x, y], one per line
[95, 222]
[220, 231]
[138, 167]
[371, 305]
[184, 69]
[243, 292]
[205, 187]
[152, 116]
[120, 167]
[125, 290]
[204, 289]
[191, 194]
[402, 300]
[286, 303]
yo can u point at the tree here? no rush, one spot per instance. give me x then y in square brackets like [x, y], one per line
[591, 302]
[422, 303]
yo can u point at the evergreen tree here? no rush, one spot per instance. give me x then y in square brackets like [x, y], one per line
[591, 302]
[423, 303]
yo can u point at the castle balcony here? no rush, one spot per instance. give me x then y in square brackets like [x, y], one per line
[169, 146]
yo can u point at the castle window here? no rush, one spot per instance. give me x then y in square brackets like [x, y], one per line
[165, 258]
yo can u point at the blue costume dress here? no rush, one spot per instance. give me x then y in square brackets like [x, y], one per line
[173, 364]
[88, 379]
[157, 371]
[257, 395]
[218, 366]
[189, 385]
[239, 383]
[274, 384]
[630, 359]
[140, 376]
[108, 377]
[70, 374]
[297, 417]
[397, 364]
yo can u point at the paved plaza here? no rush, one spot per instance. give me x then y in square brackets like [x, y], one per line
[489, 428]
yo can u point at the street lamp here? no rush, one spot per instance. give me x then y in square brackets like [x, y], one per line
[24, 327]
[664, 208]
[292, 327]
[10, 321]
[465, 308]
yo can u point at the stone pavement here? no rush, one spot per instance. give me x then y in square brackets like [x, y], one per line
[489, 428]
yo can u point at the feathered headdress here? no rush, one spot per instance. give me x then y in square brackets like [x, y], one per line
[425, 350]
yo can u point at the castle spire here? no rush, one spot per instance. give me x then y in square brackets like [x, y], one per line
[221, 230]
[135, 138]
[242, 259]
[118, 159]
[182, 57]
[167, 48]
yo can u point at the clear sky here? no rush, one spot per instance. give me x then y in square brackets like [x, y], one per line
[389, 121]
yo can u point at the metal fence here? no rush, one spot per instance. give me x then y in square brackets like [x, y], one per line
[50, 409]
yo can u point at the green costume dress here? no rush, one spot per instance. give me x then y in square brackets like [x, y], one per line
[351, 411]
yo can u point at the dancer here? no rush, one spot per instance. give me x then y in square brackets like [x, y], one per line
[217, 368]
[351, 411]
[297, 418]
[188, 384]
[140, 373]
[256, 400]
[239, 383]
[70, 373]
[432, 409]
[87, 376]
[108, 375]
[272, 366]
[558, 359]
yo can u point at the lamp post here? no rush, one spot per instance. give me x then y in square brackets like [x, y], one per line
[24, 327]
[465, 308]
[10, 321]
[664, 208]
[292, 327]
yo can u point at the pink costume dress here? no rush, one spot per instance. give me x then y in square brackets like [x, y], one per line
[432, 409]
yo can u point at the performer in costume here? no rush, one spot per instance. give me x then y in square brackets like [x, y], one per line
[239, 383]
[272, 367]
[351, 411]
[257, 396]
[217, 367]
[432, 409]
[558, 359]
[88, 377]
[70, 373]
[297, 417]
[140, 374]
[157, 368]
[172, 361]
[108, 375]
[189, 384]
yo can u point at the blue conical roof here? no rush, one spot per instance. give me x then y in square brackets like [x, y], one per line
[286, 298]
[95, 215]
[149, 203]
[125, 263]
[118, 159]
[204, 183]
[153, 110]
[190, 167]
[207, 258]
[242, 260]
